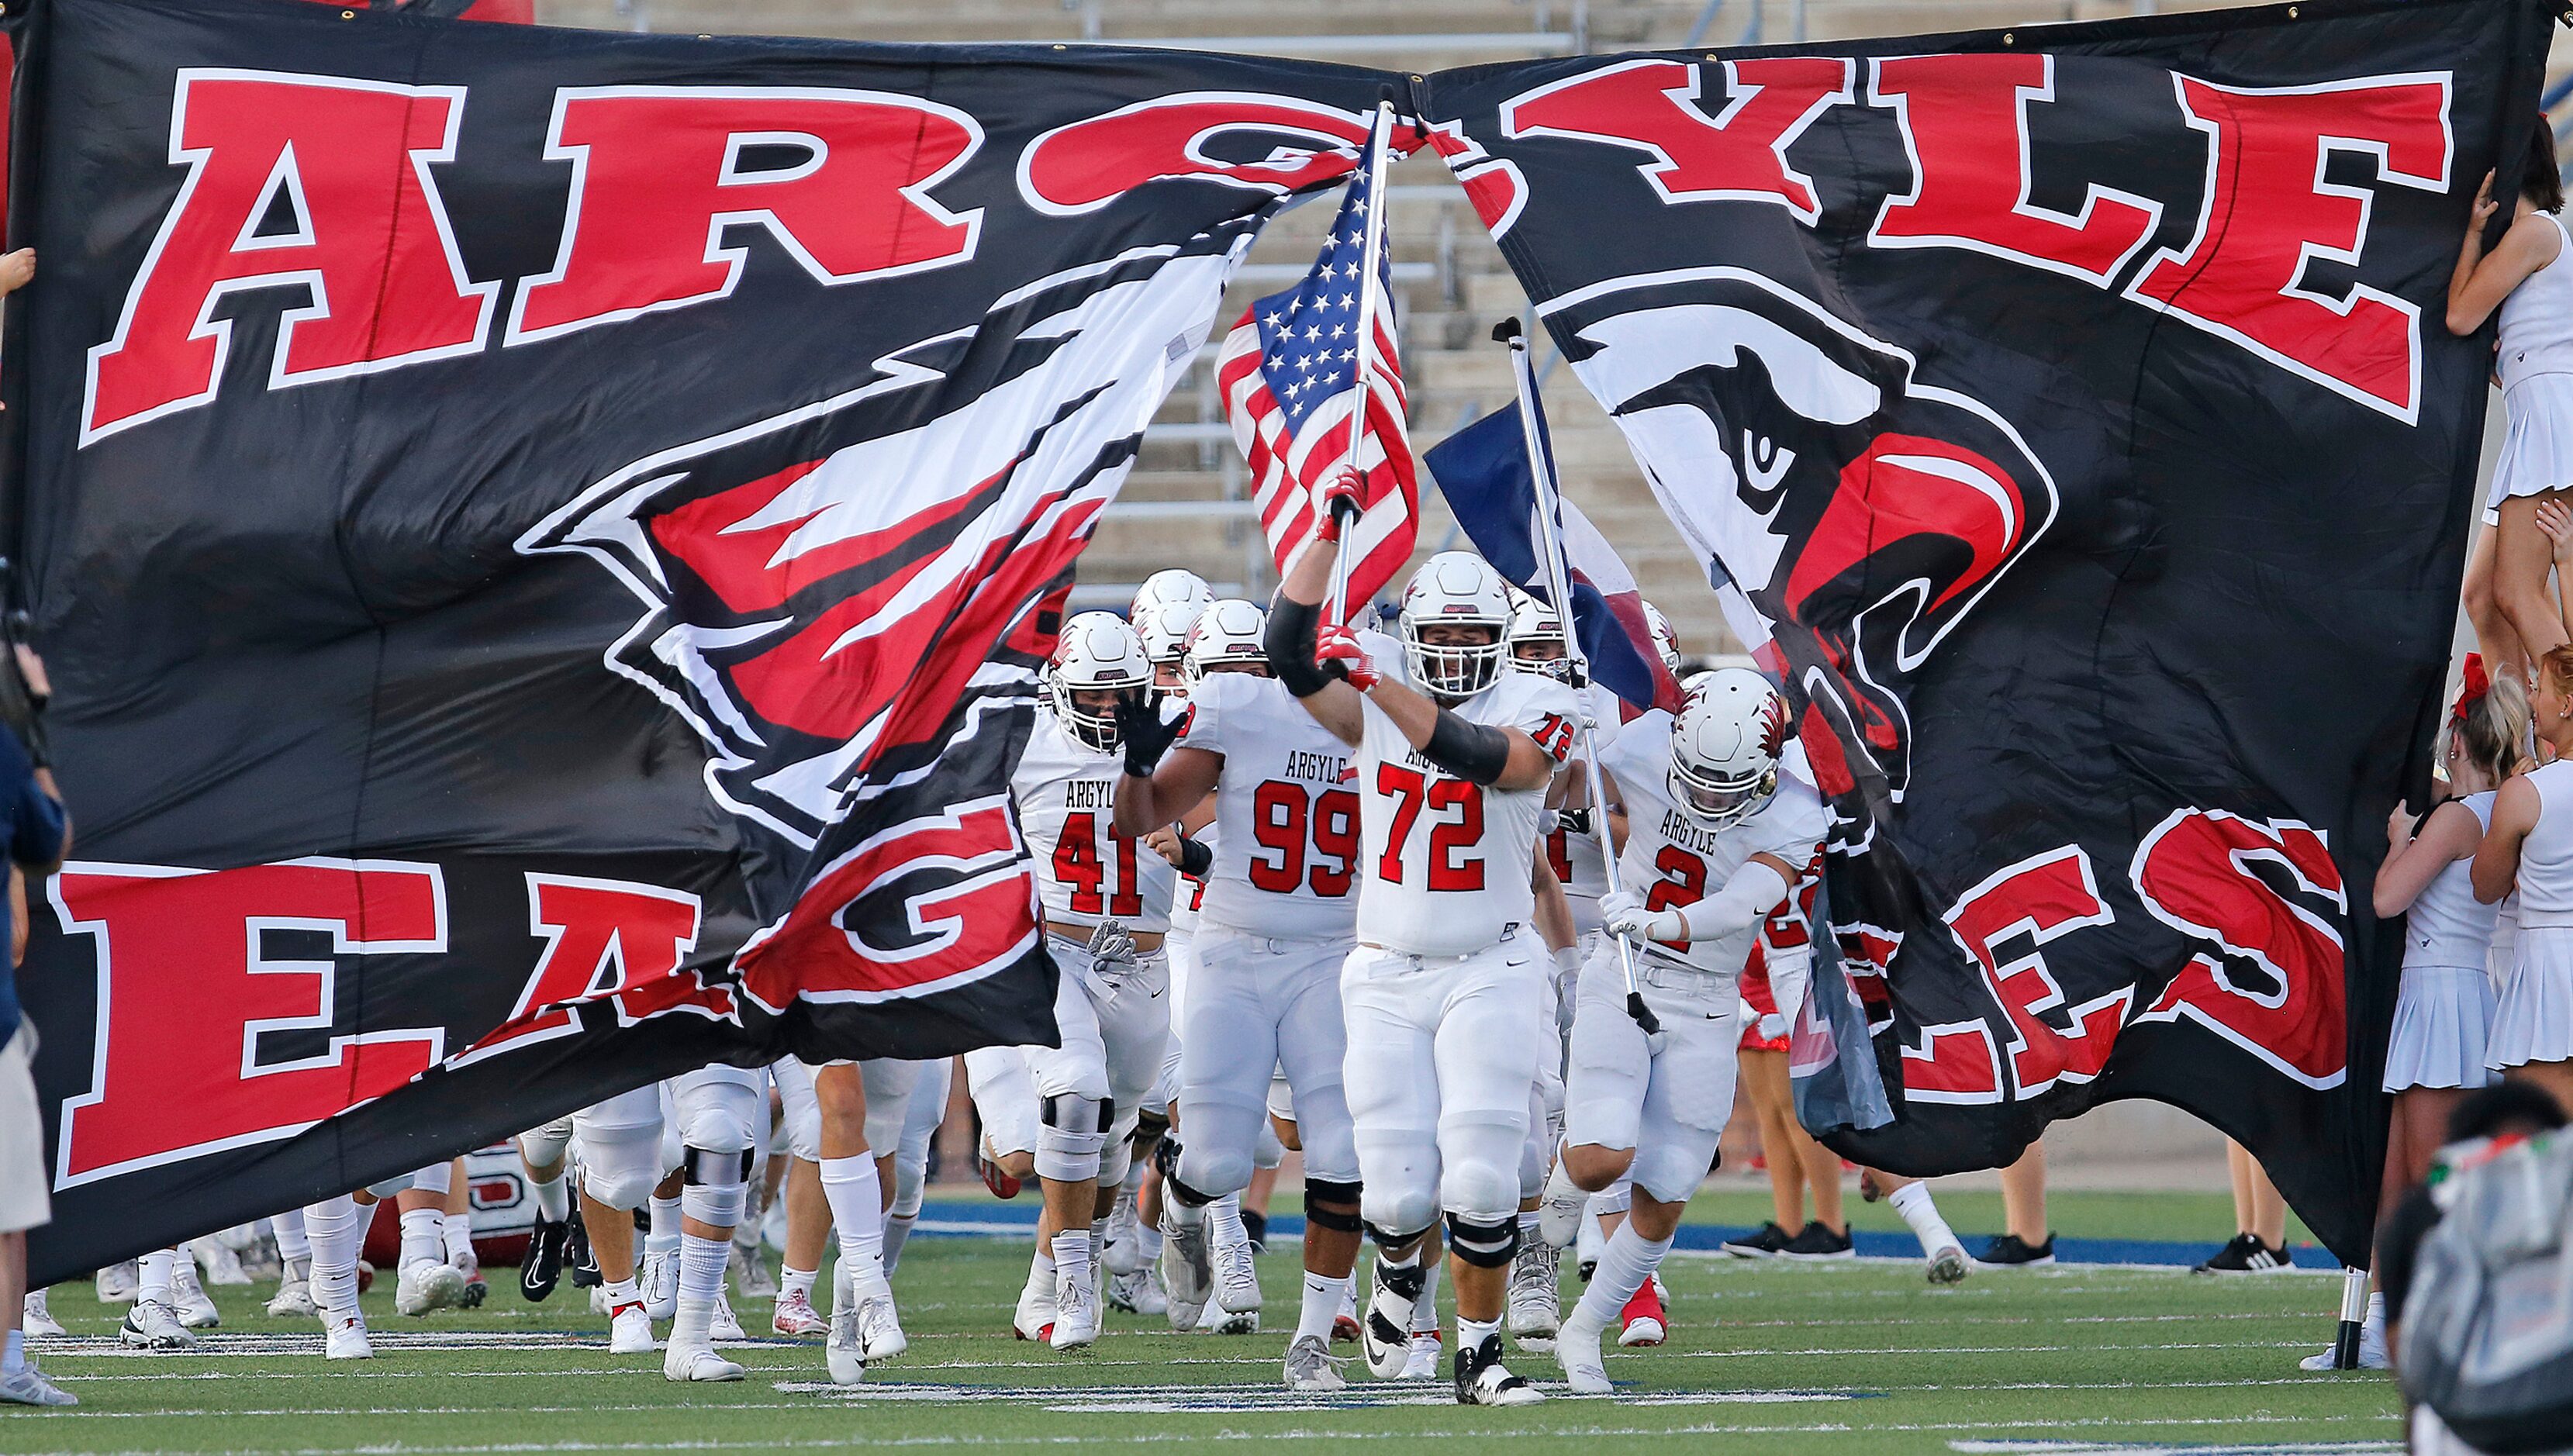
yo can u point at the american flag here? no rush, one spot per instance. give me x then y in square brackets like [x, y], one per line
[1289, 371]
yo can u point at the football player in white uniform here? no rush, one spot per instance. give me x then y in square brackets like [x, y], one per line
[1447, 983]
[1716, 839]
[1107, 902]
[718, 1111]
[846, 1118]
[1278, 923]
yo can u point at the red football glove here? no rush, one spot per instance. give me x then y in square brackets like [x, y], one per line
[1339, 499]
[1337, 643]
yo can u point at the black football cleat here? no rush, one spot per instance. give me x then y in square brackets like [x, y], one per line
[578, 1256]
[541, 1267]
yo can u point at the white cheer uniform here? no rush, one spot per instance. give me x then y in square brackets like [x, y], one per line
[1276, 926]
[1670, 1104]
[2533, 1018]
[1446, 994]
[1114, 1018]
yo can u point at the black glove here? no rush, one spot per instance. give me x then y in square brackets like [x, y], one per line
[1196, 857]
[1573, 821]
[1142, 732]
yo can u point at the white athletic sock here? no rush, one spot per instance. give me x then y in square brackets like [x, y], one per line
[553, 1197]
[1527, 1226]
[1424, 1312]
[289, 1228]
[156, 1271]
[857, 1214]
[1152, 1243]
[897, 1232]
[423, 1237]
[14, 1356]
[1470, 1333]
[620, 1292]
[1624, 1265]
[665, 1237]
[1072, 1254]
[2376, 1313]
[1323, 1296]
[1041, 1272]
[1224, 1217]
[1181, 1212]
[1912, 1201]
[701, 1277]
[335, 1228]
[796, 1281]
[458, 1229]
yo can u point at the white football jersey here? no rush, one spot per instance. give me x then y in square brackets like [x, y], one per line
[1446, 861]
[1086, 871]
[1673, 859]
[1285, 829]
[1189, 897]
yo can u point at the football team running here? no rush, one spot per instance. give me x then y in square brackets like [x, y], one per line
[1310, 887]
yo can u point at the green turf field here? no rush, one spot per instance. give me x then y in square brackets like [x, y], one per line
[1770, 1359]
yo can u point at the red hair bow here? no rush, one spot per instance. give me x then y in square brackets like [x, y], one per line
[2476, 685]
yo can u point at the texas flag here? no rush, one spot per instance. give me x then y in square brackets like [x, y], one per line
[1484, 470]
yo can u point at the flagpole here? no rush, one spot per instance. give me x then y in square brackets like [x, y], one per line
[1549, 522]
[1361, 388]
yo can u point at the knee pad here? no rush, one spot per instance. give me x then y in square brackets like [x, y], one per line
[438, 1177]
[1484, 1245]
[1208, 1172]
[1268, 1152]
[543, 1147]
[719, 1119]
[1073, 1136]
[1116, 1159]
[1318, 1192]
[1404, 1212]
[1617, 1197]
[712, 1185]
[1388, 1238]
[621, 1172]
[907, 1177]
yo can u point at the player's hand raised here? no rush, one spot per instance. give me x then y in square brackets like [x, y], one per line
[1333, 642]
[1143, 732]
[1340, 501]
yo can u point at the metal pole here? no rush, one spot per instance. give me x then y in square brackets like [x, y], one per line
[1361, 387]
[1558, 586]
[2354, 1318]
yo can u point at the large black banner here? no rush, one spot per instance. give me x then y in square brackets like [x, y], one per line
[516, 515]
[2067, 416]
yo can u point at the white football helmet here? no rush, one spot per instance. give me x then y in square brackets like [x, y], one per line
[1665, 640]
[1725, 747]
[1696, 682]
[1454, 586]
[1164, 607]
[1534, 621]
[1097, 652]
[1229, 632]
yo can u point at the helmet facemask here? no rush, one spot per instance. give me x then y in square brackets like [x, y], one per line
[1720, 801]
[1453, 671]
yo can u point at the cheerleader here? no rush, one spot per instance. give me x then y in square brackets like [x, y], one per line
[2443, 1013]
[2529, 845]
[2515, 619]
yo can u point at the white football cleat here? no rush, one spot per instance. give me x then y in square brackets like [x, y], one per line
[1237, 1279]
[1420, 1357]
[426, 1285]
[661, 1284]
[1311, 1368]
[27, 1385]
[152, 1326]
[1536, 1300]
[1139, 1292]
[697, 1362]
[749, 1271]
[796, 1317]
[1950, 1266]
[1481, 1378]
[1385, 1329]
[219, 1261]
[880, 1328]
[343, 1337]
[1559, 1219]
[845, 1352]
[1576, 1348]
[195, 1307]
[118, 1283]
[630, 1333]
[1076, 1311]
[294, 1294]
[1187, 1270]
[722, 1324]
[1033, 1318]
[2372, 1351]
[38, 1320]
[1121, 1245]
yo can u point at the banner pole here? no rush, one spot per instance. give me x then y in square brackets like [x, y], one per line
[2353, 1318]
[1361, 387]
[1558, 585]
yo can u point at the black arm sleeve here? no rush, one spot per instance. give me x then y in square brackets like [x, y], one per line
[1196, 857]
[1471, 751]
[1290, 640]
